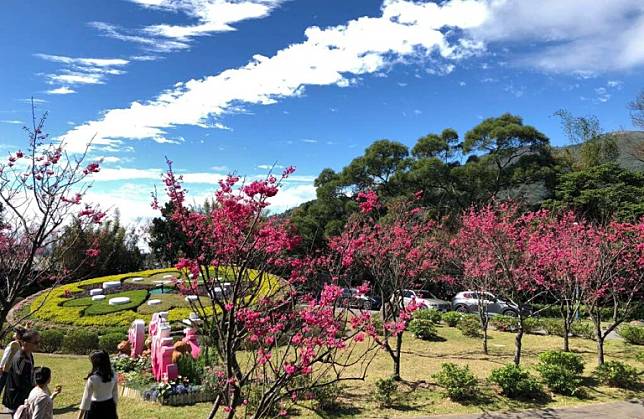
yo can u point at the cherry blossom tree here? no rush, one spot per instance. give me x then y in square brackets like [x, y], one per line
[563, 255]
[275, 343]
[41, 189]
[498, 236]
[399, 253]
[615, 278]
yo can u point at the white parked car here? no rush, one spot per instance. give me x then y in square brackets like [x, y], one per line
[425, 299]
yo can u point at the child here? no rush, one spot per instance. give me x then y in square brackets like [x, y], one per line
[7, 356]
[101, 392]
[39, 403]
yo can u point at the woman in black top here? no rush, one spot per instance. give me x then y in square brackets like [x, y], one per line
[20, 380]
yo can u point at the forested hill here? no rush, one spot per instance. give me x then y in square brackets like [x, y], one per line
[601, 177]
[631, 149]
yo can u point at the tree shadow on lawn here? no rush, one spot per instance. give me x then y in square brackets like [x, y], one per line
[66, 409]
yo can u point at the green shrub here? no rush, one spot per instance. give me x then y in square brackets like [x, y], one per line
[80, 341]
[470, 326]
[532, 325]
[640, 356]
[109, 342]
[377, 324]
[554, 327]
[430, 314]
[386, 389]
[583, 330]
[326, 397]
[632, 334]
[51, 340]
[114, 329]
[618, 374]
[190, 368]
[504, 323]
[451, 318]
[459, 383]
[560, 371]
[422, 329]
[516, 382]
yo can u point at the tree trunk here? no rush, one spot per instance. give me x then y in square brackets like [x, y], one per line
[396, 358]
[215, 407]
[518, 342]
[485, 321]
[600, 350]
[485, 339]
[566, 339]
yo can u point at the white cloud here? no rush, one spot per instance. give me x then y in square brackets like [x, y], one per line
[108, 174]
[63, 90]
[363, 46]
[309, 141]
[12, 121]
[571, 35]
[270, 166]
[210, 16]
[109, 159]
[81, 71]
[289, 197]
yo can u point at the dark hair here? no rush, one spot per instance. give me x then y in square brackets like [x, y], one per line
[101, 366]
[20, 332]
[29, 336]
[42, 375]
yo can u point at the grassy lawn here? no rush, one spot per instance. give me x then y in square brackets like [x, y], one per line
[419, 395]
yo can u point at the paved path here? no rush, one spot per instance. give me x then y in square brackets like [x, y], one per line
[633, 409]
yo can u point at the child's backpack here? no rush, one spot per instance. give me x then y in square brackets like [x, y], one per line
[23, 412]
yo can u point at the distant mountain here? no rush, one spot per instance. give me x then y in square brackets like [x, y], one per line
[631, 148]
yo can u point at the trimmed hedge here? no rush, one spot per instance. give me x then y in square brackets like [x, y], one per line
[561, 371]
[430, 314]
[80, 342]
[516, 382]
[618, 374]
[51, 340]
[422, 329]
[451, 318]
[470, 326]
[109, 342]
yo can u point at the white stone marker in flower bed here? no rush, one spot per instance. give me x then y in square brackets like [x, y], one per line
[138, 279]
[191, 298]
[119, 300]
[96, 291]
[98, 297]
[168, 276]
[111, 284]
[154, 302]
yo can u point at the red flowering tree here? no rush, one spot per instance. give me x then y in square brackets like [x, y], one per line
[275, 344]
[398, 251]
[470, 271]
[41, 189]
[615, 279]
[497, 237]
[563, 253]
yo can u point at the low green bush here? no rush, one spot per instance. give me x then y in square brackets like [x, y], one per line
[532, 325]
[386, 391]
[516, 382]
[422, 329]
[554, 327]
[618, 374]
[327, 397]
[430, 314]
[470, 326]
[561, 371]
[451, 318]
[459, 382]
[109, 342]
[583, 330]
[80, 342]
[632, 334]
[191, 369]
[51, 340]
[504, 323]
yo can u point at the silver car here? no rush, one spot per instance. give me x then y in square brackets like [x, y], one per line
[424, 299]
[468, 301]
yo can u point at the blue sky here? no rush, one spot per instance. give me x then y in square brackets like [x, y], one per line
[223, 85]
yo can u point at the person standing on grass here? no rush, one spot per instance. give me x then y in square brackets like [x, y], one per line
[20, 379]
[101, 391]
[40, 404]
[7, 356]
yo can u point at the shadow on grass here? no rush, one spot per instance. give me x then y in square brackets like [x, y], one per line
[66, 409]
